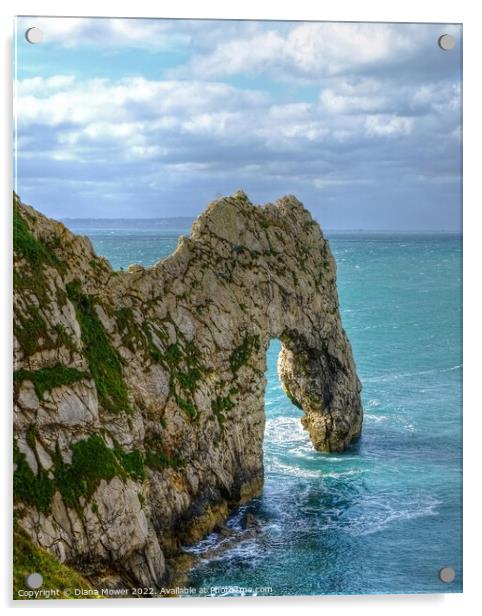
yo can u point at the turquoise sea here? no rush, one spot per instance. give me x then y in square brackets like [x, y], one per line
[384, 516]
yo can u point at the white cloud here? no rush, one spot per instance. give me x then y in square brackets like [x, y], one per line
[140, 118]
[388, 125]
[37, 85]
[304, 108]
[70, 32]
[289, 111]
[329, 182]
[136, 118]
[308, 50]
[62, 99]
[354, 96]
[220, 123]
[389, 97]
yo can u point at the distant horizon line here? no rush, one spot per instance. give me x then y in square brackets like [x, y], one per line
[191, 219]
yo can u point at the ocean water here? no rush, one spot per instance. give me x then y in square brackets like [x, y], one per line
[384, 516]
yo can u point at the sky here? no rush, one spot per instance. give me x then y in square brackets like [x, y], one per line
[141, 118]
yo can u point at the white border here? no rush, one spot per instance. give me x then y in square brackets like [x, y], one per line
[460, 11]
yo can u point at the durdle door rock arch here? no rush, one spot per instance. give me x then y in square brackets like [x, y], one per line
[139, 395]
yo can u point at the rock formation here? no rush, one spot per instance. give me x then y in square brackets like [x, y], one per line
[139, 410]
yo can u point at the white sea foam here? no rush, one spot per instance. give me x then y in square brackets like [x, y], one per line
[331, 459]
[250, 551]
[395, 376]
[276, 466]
[380, 513]
[350, 473]
[375, 418]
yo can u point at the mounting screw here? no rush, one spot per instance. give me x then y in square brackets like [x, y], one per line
[446, 42]
[447, 574]
[34, 35]
[34, 581]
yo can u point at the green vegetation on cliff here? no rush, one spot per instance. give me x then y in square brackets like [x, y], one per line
[220, 405]
[26, 245]
[241, 354]
[36, 490]
[31, 330]
[92, 461]
[131, 461]
[135, 336]
[158, 460]
[185, 369]
[46, 379]
[105, 363]
[30, 278]
[29, 558]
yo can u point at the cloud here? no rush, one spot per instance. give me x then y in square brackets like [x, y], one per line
[336, 113]
[59, 99]
[108, 33]
[384, 95]
[307, 51]
[193, 120]
[354, 96]
[203, 125]
[388, 125]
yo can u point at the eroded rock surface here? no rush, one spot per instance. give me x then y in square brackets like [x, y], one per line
[139, 411]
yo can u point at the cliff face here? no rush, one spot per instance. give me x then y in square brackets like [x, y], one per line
[139, 395]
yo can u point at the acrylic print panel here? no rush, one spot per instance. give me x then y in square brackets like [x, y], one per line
[214, 396]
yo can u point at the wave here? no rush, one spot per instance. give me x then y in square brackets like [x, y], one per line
[403, 375]
[370, 516]
[292, 470]
[385, 515]
[375, 418]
